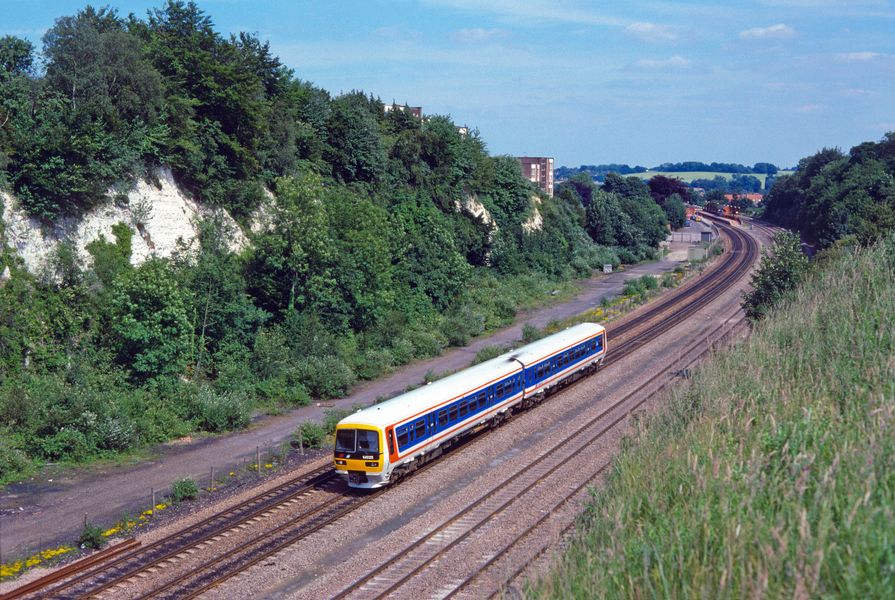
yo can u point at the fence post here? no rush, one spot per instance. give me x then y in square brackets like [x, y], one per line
[301, 443]
[258, 458]
[152, 493]
[211, 485]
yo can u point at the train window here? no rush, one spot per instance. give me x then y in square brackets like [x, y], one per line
[367, 440]
[345, 440]
[442, 417]
[462, 408]
[482, 400]
[453, 413]
[419, 429]
[402, 437]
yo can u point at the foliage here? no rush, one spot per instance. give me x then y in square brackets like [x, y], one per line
[91, 537]
[224, 411]
[770, 474]
[310, 434]
[149, 323]
[184, 489]
[779, 272]
[832, 196]
[487, 353]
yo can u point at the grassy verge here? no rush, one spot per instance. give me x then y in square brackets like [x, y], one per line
[772, 474]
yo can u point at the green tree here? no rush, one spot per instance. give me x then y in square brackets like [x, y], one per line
[779, 272]
[150, 328]
[675, 211]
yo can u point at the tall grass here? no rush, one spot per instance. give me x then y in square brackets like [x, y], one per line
[772, 474]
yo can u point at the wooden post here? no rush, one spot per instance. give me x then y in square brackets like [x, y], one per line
[301, 443]
[85, 520]
[258, 458]
[211, 486]
[152, 493]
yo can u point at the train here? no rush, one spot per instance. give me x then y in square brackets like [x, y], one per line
[383, 443]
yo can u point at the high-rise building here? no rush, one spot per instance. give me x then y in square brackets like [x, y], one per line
[538, 170]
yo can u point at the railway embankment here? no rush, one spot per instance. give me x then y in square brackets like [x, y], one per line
[771, 473]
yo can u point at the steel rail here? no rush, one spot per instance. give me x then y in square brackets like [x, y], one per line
[735, 273]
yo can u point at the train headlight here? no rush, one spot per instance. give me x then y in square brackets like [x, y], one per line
[372, 464]
[341, 462]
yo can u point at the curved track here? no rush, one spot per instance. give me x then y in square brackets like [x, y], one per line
[106, 577]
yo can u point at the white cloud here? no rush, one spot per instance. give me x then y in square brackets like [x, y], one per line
[859, 56]
[809, 108]
[651, 32]
[478, 35]
[673, 62]
[778, 31]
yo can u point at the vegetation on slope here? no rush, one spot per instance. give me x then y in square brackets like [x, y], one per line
[368, 261]
[833, 196]
[771, 474]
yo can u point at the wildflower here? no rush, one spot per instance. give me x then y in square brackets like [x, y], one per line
[268, 466]
[161, 506]
[232, 474]
[148, 512]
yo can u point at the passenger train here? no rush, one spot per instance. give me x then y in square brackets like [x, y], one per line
[384, 442]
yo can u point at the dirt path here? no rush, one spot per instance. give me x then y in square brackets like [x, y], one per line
[46, 509]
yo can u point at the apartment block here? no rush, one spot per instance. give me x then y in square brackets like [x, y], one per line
[538, 170]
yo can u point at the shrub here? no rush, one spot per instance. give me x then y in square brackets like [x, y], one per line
[12, 461]
[115, 433]
[184, 489]
[668, 280]
[221, 411]
[777, 274]
[426, 343]
[373, 362]
[65, 444]
[530, 333]
[325, 376]
[402, 351]
[282, 390]
[648, 282]
[487, 353]
[91, 537]
[312, 435]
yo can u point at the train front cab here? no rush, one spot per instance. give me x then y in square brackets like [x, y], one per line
[359, 455]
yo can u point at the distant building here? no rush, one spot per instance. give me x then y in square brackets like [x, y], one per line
[538, 170]
[416, 111]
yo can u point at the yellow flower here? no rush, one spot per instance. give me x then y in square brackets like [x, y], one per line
[268, 466]
[148, 512]
[232, 474]
[161, 506]
[111, 531]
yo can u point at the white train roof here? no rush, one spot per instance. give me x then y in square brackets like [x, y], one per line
[454, 387]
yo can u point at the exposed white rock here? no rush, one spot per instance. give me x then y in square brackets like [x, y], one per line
[535, 222]
[477, 210]
[162, 216]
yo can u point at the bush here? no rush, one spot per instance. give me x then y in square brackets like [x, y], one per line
[426, 343]
[115, 433]
[65, 444]
[184, 489]
[221, 411]
[280, 389]
[668, 280]
[91, 537]
[312, 435]
[325, 376]
[487, 353]
[12, 461]
[530, 333]
[374, 362]
[777, 274]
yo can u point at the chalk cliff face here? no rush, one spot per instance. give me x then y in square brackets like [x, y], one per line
[162, 215]
[535, 222]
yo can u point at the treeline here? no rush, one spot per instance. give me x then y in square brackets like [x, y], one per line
[833, 196]
[737, 184]
[367, 258]
[599, 172]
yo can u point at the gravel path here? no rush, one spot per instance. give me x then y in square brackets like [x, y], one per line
[50, 508]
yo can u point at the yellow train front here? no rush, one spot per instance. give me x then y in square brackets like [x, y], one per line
[358, 454]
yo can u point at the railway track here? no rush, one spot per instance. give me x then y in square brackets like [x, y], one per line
[107, 578]
[404, 573]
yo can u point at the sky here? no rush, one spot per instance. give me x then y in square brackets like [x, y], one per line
[587, 82]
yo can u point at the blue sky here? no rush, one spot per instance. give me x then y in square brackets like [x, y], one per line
[588, 82]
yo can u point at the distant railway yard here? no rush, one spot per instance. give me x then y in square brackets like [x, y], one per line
[483, 518]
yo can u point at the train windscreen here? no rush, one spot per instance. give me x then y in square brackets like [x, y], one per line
[345, 440]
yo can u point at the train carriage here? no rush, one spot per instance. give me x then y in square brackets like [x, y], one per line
[383, 442]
